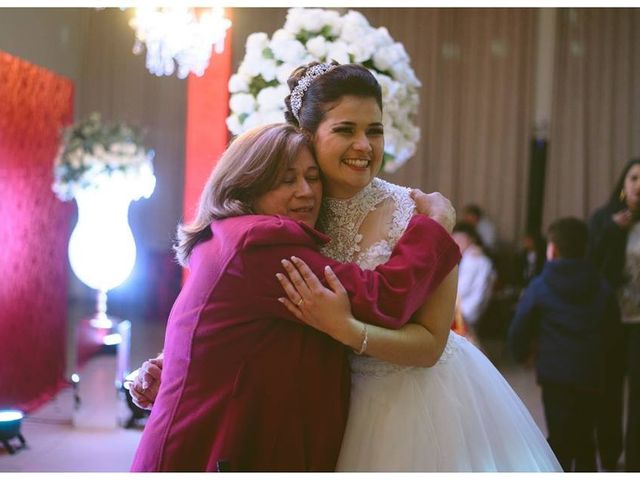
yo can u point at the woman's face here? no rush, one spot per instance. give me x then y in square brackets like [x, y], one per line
[632, 187]
[349, 145]
[298, 193]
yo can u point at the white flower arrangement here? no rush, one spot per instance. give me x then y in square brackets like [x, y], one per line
[259, 87]
[93, 154]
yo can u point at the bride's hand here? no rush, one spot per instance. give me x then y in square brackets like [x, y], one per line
[144, 388]
[436, 206]
[325, 309]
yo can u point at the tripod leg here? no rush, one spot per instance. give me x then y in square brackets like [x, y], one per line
[8, 446]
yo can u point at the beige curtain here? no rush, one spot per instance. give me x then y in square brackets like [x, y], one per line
[476, 68]
[596, 108]
[116, 83]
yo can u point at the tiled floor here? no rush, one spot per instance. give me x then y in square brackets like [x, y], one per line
[89, 439]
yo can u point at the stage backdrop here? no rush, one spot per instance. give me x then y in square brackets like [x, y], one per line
[34, 231]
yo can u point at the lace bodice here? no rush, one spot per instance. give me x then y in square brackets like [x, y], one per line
[342, 220]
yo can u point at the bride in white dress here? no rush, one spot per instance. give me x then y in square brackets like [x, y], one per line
[460, 414]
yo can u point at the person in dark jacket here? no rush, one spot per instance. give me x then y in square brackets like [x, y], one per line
[614, 247]
[566, 309]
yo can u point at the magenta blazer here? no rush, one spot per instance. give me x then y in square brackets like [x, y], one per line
[243, 381]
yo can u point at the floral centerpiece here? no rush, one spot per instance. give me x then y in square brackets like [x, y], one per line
[93, 154]
[259, 86]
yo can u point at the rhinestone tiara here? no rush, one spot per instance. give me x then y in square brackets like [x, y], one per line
[298, 92]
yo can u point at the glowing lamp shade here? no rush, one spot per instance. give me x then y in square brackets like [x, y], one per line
[102, 251]
[8, 416]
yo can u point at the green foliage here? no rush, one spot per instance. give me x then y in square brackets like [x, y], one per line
[305, 35]
[258, 83]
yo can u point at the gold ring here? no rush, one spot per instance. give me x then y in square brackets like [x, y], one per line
[300, 302]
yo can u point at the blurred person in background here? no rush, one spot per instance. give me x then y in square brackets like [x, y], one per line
[531, 257]
[475, 216]
[476, 277]
[614, 246]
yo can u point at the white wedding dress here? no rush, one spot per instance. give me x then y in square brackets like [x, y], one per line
[457, 416]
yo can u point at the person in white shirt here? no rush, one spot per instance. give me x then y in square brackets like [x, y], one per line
[476, 275]
[484, 227]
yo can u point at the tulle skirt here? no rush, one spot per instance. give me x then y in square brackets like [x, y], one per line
[460, 415]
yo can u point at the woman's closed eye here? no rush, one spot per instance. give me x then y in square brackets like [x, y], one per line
[289, 180]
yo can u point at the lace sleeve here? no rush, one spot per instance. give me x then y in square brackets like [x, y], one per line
[391, 217]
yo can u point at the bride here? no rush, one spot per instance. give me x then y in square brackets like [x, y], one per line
[458, 415]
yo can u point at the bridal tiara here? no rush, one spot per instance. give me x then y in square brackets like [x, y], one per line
[303, 84]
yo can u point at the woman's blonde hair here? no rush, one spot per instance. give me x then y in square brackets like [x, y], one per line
[251, 166]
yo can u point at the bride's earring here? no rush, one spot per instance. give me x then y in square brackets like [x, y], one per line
[622, 195]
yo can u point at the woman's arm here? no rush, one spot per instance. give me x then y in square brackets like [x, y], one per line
[387, 296]
[605, 232]
[328, 309]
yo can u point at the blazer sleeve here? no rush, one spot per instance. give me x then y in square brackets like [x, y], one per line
[387, 296]
[599, 230]
[606, 245]
[524, 326]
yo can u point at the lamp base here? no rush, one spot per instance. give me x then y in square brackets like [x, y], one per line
[101, 333]
[97, 400]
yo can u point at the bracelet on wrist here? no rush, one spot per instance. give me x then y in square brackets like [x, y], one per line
[365, 340]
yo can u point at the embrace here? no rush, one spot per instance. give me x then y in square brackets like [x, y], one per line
[347, 362]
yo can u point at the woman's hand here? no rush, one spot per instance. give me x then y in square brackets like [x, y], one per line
[436, 206]
[623, 218]
[145, 386]
[325, 309]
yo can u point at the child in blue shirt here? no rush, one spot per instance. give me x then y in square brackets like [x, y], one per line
[568, 311]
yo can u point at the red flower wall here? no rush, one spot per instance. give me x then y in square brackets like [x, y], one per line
[34, 232]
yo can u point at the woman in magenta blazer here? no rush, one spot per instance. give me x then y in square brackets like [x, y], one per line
[244, 384]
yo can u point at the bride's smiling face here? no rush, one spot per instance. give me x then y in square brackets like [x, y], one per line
[349, 144]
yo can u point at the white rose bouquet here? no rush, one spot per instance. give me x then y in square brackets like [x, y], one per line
[259, 87]
[93, 153]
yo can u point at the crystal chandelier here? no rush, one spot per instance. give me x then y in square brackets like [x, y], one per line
[179, 36]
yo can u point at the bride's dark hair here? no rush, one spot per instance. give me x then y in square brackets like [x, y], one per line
[347, 79]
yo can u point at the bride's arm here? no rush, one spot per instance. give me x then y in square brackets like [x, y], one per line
[327, 309]
[421, 342]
